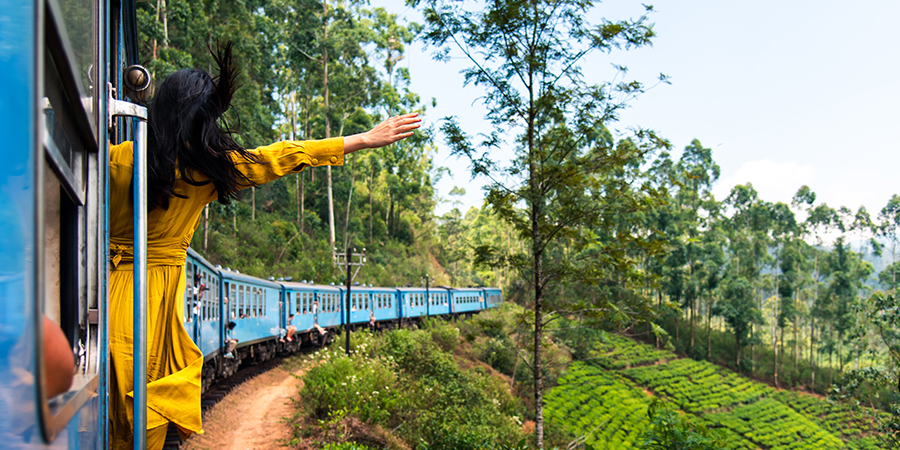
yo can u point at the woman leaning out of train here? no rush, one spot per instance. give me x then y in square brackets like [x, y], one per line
[192, 161]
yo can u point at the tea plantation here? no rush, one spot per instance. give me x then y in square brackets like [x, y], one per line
[607, 401]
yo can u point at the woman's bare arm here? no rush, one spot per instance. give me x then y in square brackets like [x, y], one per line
[385, 133]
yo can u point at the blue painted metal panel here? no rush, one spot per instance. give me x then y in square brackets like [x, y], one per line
[468, 299]
[301, 304]
[384, 302]
[439, 302]
[360, 304]
[413, 300]
[493, 297]
[330, 307]
[18, 99]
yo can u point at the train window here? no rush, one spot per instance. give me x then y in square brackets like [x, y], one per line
[242, 312]
[262, 303]
[205, 298]
[248, 304]
[232, 300]
[188, 288]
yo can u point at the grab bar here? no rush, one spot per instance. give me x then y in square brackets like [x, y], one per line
[139, 340]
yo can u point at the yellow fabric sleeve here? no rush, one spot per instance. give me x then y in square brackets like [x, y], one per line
[282, 158]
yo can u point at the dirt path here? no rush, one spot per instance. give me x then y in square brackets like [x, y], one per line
[252, 416]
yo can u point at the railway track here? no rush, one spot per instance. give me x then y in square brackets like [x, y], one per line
[219, 390]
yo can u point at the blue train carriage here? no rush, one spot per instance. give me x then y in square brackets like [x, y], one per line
[316, 309]
[377, 306]
[58, 71]
[413, 306]
[203, 313]
[467, 301]
[253, 305]
[493, 297]
[385, 305]
[439, 301]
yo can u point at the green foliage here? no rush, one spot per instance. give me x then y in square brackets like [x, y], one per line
[405, 380]
[670, 431]
[361, 384]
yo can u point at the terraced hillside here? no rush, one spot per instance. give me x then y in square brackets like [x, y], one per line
[608, 399]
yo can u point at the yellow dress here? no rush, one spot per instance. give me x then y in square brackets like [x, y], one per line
[174, 361]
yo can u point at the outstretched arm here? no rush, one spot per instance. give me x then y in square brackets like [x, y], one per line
[385, 133]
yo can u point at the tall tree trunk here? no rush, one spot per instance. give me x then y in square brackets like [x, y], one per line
[349, 203]
[709, 328]
[327, 127]
[841, 351]
[537, 204]
[658, 309]
[205, 227]
[692, 324]
[390, 221]
[775, 325]
[812, 354]
[812, 321]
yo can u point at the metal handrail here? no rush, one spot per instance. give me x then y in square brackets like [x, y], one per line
[139, 340]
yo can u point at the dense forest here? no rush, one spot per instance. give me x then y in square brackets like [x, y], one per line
[615, 232]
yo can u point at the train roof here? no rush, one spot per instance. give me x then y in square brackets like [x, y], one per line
[231, 275]
[368, 288]
[193, 254]
[296, 285]
[468, 289]
[420, 289]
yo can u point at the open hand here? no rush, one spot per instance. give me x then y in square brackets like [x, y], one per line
[385, 133]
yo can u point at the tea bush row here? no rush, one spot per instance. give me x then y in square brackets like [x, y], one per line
[592, 401]
[773, 425]
[618, 352]
[698, 386]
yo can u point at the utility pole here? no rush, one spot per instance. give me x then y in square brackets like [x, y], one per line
[347, 259]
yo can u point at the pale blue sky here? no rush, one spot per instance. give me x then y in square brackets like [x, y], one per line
[785, 93]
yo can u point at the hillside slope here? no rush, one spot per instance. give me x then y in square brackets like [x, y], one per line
[608, 400]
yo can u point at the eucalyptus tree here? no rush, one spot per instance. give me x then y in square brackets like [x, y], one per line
[783, 231]
[819, 221]
[327, 50]
[696, 172]
[712, 269]
[567, 172]
[749, 236]
[740, 311]
[888, 227]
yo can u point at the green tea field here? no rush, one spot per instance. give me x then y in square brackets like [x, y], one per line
[608, 399]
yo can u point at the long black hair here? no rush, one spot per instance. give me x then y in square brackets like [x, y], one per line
[185, 134]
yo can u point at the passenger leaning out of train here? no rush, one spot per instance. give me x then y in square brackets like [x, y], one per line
[192, 160]
[230, 342]
[290, 329]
